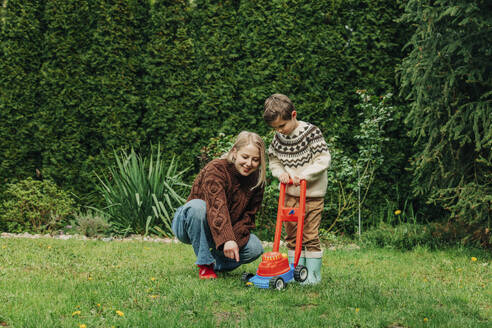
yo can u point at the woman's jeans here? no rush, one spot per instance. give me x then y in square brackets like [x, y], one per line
[190, 226]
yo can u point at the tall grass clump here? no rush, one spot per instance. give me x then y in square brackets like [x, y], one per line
[141, 193]
[91, 224]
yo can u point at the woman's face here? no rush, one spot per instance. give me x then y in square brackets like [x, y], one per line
[247, 159]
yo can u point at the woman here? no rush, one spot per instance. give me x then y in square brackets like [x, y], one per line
[219, 213]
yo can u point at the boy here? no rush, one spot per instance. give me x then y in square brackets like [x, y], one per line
[298, 151]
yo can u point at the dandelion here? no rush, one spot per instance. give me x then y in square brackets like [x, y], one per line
[98, 305]
[121, 314]
[82, 325]
[357, 310]
[49, 247]
[154, 296]
[425, 319]
[76, 313]
[3, 246]
[153, 278]
[397, 212]
[474, 259]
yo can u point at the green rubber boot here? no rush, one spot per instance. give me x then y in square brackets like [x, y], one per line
[313, 264]
[291, 254]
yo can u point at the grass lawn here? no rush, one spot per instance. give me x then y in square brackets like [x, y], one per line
[72, 283]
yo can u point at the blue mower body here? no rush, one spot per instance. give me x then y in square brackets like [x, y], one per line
[264, 282]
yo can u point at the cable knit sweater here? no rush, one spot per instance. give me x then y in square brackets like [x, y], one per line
[231, 204]
[303, 153]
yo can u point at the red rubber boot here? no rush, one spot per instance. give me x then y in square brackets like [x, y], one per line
[206, 272]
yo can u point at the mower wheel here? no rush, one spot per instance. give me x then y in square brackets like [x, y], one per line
[300, 273]
[246, 276]
[277, 283]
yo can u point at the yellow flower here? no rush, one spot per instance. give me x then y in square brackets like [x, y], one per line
[357, 310]
[49, 247]
[3, 246]
[146, 248]
[425, 319]
[397, 212]
[473, 259]
[121, 314]
[82, 326]
[153, 278]
[98, 305]
[76, 313]
[154, 296]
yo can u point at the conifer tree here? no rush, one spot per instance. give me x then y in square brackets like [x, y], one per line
[447, 76]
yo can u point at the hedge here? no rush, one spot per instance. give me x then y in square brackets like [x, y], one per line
[82, 78]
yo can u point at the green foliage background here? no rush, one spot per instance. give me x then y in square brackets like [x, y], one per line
[80, 79]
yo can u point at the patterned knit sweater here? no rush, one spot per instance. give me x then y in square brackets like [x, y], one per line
[303, 153]
[231, 204]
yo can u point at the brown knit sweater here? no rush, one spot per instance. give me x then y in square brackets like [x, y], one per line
[231, 204]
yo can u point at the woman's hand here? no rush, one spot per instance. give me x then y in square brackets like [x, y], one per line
[231, 250]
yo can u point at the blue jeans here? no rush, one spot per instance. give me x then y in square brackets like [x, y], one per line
[190, 226]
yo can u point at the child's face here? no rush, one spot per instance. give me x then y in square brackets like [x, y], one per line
[285, 126]
[247, 159]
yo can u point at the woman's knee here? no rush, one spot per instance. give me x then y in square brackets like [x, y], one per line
[196, 209]
[255, 248]
[192, 214]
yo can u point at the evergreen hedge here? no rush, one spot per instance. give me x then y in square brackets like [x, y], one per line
[82, 78]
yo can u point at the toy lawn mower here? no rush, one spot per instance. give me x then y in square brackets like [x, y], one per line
[274, 271]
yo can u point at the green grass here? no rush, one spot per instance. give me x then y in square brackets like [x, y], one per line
[43, 282]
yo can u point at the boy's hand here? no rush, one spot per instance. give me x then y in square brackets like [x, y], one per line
[284, 178]
[296, 181]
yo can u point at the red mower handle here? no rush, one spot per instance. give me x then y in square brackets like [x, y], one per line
[295, 214]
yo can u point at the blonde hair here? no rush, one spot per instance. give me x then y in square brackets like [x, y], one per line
[245, 138]
[277, 105]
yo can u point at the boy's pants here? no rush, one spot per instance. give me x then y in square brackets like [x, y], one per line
[312, 220]
[190, 226]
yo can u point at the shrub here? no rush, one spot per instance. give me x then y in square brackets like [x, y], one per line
[405, 236]
[352, 172]
[217, 146]
[92, 224]
[36, 206]
[458, 232]
[141, 193]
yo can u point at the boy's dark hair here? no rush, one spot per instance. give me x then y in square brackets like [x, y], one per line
[277, 105]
